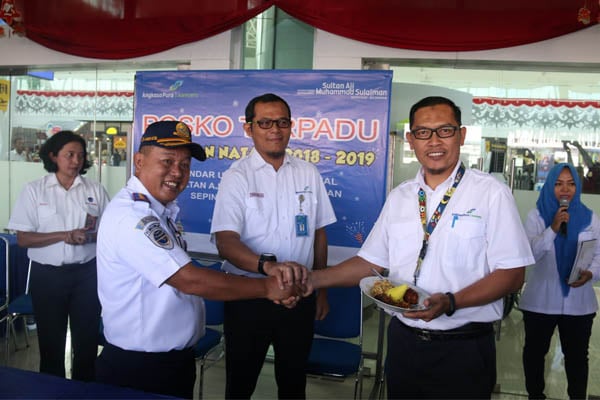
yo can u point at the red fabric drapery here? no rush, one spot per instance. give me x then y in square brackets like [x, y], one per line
[118, 29]
[443, 25]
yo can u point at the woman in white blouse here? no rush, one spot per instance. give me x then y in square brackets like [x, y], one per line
[554, 294]
[56, 218]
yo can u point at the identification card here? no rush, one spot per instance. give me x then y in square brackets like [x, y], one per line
[301, 225]
[90, 222]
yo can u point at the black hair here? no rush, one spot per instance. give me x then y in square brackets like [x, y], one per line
[264, 98]
[55, 143]
[434, 101]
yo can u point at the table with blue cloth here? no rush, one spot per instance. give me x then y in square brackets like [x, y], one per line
[22, 384]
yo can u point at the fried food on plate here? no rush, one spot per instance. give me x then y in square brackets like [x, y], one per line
[399, 296]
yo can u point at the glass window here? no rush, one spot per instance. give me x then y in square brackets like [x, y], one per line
[96, 103]
[534, 114]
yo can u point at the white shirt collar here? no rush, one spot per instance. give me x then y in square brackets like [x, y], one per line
[170, 210]
[53, 180]
[444, 185]
[259, 162]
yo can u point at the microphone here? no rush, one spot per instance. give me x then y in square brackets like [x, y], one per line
[563, 202]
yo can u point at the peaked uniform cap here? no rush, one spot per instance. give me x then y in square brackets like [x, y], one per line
[172, 134]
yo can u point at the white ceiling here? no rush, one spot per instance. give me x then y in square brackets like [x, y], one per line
[579, 85]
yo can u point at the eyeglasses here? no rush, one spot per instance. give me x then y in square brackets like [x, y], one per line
[442, 132]
[268, 123]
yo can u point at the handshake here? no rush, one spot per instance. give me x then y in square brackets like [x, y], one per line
[288, 282]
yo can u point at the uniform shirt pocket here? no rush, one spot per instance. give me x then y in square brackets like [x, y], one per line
[254, 203]
[405, 240]
[305, 203]
[92, 213]
[465, 244]
[49, 219]
[254, 214]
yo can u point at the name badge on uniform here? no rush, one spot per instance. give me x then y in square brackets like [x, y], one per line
[301, 225]
[301, 220]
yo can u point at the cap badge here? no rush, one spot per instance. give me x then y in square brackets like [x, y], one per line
[182, 130]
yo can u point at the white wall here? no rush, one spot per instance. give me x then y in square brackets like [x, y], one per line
[210, 53]
[335, 52]
[13, 176]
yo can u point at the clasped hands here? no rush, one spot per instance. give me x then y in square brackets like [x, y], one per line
[290, 282]
[76, 236]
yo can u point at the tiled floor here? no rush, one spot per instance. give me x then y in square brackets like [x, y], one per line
[510, 370]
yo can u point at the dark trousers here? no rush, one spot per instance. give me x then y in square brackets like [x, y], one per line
[574, 332]
[250, 327]
[66, 294]
[170, 373]
[439, 369]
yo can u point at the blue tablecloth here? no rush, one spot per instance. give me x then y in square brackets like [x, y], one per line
[21, 384]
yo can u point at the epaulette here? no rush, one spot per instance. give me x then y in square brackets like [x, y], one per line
[140, 197]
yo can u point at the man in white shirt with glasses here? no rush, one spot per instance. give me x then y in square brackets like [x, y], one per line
[270, 214]
[457, 234]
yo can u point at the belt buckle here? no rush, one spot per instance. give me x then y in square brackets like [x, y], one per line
[424, 335]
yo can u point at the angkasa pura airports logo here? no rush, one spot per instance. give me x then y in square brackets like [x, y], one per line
[172, 92]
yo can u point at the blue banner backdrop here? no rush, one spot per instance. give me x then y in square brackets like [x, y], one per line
[340, 125]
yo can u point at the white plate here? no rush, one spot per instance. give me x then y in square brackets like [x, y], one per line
[366, 284]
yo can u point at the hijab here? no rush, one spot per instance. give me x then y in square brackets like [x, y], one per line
[565, 247]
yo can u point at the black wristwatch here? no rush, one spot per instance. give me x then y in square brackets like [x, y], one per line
[452, 307]
[261, 261]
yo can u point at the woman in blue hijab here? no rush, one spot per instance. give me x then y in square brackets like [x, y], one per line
[556, 227]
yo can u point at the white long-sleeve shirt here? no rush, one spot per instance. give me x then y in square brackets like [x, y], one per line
[542, 292]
